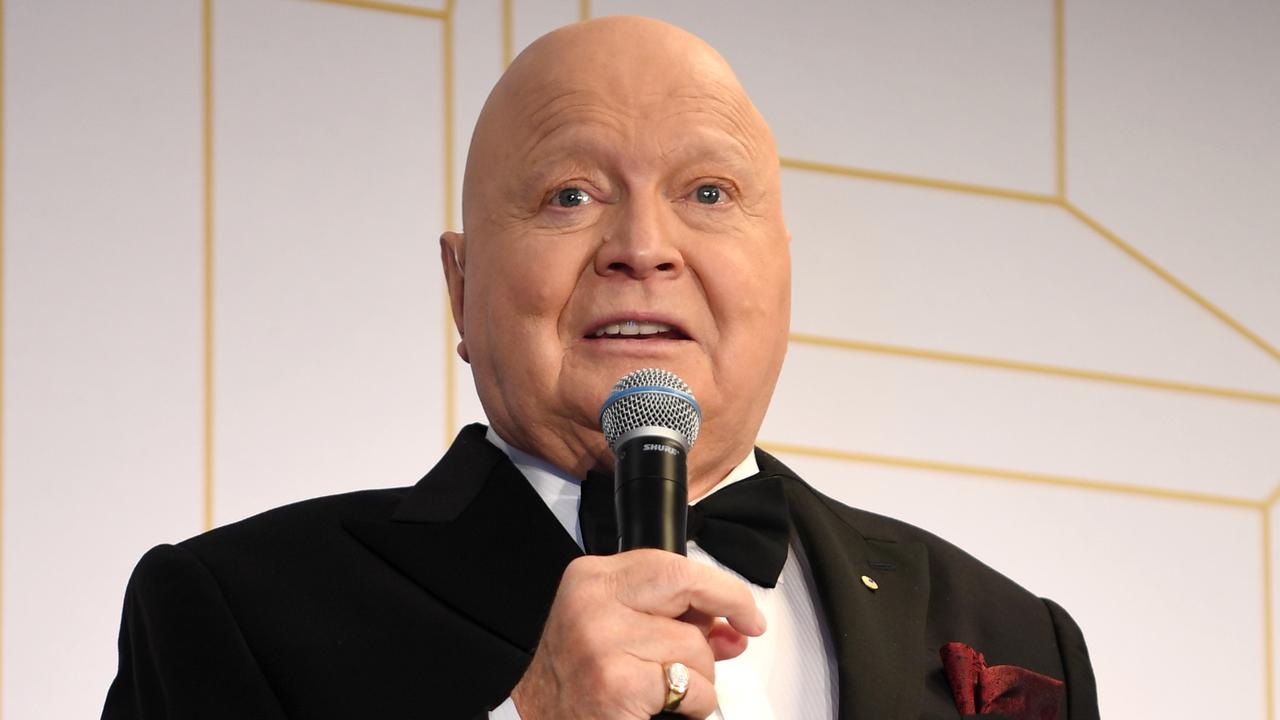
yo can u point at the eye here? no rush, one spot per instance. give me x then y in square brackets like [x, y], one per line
[708, 194]
[570, 197]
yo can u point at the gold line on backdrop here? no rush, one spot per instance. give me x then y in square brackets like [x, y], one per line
[3, 289]
[393, 7]
[1268, 621]
[1173, 281]
[904, 179]
[1040, 198]
[1004, 474]
[508, 32]
[1035, 368]
[206, 34]
[584, 10]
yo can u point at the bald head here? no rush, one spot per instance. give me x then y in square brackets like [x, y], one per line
[621, 210]
[632, 65]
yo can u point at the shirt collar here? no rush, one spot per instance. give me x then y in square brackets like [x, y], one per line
[562, 492]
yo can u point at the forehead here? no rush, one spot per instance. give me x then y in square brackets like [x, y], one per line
[647, 112]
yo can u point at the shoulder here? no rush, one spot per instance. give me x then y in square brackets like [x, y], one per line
[973, 603]
[946, 560]
[295, 543]
[964, 590]
[299, 523]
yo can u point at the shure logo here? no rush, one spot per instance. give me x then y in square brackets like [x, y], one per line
[650, 447]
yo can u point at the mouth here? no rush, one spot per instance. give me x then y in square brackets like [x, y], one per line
[636, 330]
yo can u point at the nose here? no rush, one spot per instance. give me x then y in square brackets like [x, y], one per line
[641, 242]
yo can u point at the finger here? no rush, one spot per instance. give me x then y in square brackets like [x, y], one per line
[664, 640]
[699, 700]
[663, 583]
[725, 642]
[699, 619]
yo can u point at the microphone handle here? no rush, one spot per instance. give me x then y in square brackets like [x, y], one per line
[651, 494]
[651, 497]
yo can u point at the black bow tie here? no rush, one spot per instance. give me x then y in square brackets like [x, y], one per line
[744, 525]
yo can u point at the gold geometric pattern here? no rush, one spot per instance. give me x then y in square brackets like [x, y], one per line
[1058, 198]
[2, 350]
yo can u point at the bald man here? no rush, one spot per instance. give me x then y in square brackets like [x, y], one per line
[621, 210]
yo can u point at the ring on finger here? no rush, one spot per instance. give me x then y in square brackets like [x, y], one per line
[677, 677]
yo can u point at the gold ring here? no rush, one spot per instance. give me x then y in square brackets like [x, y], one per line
[677, 676]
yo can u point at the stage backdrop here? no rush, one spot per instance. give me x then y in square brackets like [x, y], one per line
[1037, 292]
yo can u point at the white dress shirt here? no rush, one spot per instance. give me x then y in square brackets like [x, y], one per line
[788, 672]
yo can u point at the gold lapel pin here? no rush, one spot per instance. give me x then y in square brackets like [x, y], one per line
[872, 585]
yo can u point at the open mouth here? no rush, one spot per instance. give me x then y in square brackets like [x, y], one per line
[638, 330]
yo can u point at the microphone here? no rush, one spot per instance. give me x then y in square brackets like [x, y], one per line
[651, 420]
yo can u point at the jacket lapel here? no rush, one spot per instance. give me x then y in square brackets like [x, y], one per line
[878, 635]
[477, 537]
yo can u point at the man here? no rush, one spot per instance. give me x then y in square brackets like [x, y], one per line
[622, 210]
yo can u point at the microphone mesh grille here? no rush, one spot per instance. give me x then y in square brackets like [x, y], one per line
[666, 402]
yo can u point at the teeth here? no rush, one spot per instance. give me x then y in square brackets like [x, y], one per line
[633, 327]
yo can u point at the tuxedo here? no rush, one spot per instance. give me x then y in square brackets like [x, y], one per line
[428, 601]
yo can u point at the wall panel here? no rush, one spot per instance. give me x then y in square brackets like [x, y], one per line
[969, 84]
[986, 276]
[1016, 421]
[102, 329]
[1171, 140]
[530, 20]
[329, 204]
[479, 63]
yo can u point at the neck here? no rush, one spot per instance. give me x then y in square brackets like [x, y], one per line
[706, 469]
[745, 467]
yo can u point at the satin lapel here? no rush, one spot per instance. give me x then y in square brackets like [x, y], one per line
[878, 634]
[477, 537]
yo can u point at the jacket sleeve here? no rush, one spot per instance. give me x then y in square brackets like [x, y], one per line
[1082, 689]
[182, 655]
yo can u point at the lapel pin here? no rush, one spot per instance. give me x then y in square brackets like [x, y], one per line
[872, 585]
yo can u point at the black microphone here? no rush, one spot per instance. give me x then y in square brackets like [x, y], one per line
[650, 420]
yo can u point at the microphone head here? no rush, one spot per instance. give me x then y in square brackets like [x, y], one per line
[650, 401]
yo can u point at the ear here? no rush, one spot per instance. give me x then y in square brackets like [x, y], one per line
[453, 254]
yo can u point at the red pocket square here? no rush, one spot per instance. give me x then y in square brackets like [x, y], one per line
[1013, 692]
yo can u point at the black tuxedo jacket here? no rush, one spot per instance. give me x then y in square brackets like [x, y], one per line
[428, 601]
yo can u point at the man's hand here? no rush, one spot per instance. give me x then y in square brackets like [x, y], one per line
[617, 620]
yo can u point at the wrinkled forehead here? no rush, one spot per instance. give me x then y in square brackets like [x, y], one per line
[577, 83]
[571, 114]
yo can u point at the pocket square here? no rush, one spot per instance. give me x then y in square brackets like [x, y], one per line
[1004, 690]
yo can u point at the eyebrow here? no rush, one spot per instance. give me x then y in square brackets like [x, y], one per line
[721, 149]
[582, 138]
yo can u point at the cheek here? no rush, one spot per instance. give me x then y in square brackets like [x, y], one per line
[751, 295]
[750, 299]
[523, 288]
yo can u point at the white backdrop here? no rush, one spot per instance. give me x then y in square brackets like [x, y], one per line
[1037, 295]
